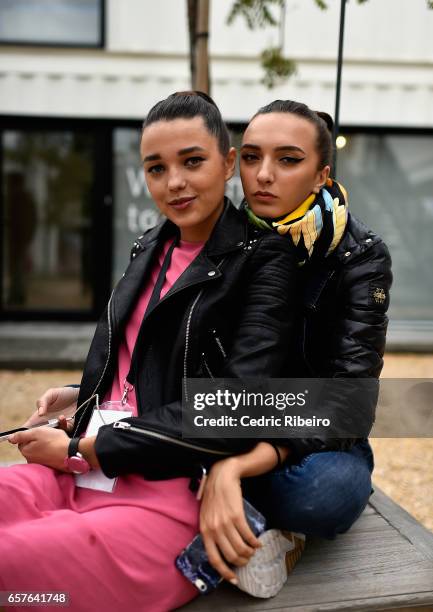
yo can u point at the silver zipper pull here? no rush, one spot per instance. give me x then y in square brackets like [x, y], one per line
[121, 425]
[127, 387]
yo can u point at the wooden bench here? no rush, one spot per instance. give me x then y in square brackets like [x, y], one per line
[385, 562]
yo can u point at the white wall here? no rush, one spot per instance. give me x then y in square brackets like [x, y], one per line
[387, 77]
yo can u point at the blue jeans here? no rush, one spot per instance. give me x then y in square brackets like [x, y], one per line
[323, 495]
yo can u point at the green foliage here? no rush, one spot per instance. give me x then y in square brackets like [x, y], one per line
[257, 13]
[277, 68]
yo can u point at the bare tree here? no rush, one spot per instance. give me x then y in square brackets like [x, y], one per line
[198, 25]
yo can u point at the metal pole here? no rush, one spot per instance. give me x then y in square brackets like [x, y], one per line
[338, 85]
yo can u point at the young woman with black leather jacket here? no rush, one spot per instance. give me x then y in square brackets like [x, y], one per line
[204, 291]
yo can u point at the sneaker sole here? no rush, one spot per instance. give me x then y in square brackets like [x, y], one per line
[298, 545]
[266, 573]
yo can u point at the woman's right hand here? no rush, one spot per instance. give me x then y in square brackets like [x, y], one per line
[223, 524]
[57, 400]
[224, 528]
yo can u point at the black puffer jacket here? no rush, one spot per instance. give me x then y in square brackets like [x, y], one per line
[341, 327]
[231, 312]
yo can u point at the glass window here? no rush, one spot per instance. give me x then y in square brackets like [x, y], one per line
[134, 212]
[47, 180]
[390, 184]
[54, 22]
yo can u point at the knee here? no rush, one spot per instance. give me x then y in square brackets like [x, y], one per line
[331, 492]
[339, 495]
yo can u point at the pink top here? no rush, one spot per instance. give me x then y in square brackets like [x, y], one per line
[130, 537]
[182, 256]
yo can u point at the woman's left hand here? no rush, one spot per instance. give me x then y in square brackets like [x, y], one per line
[43, 445]
[223, 525]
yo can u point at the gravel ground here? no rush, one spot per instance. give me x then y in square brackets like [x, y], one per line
[404, 466]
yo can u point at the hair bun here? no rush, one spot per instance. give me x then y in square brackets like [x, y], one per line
[327, 119]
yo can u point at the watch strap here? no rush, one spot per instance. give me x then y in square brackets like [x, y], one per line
[73, 447]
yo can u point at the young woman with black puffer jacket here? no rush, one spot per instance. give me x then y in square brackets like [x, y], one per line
[340, 329]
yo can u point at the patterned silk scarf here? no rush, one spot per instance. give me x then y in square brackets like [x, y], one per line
[316, 226]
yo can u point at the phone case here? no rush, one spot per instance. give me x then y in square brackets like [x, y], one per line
[193, 562]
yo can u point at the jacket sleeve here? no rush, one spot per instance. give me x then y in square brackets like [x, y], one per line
[259, 350]
[357, 346]
[261, 340]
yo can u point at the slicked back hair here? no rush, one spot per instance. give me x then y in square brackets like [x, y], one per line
[188, 105]
[322, 122]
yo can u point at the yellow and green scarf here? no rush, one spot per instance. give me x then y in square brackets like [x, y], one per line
[316, 226]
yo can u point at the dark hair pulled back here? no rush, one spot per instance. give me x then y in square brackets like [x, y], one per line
[188, 105]
[322, 121]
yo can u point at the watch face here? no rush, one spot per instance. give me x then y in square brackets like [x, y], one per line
[77, 465]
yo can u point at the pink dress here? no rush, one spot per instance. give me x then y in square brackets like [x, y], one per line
[108, 551]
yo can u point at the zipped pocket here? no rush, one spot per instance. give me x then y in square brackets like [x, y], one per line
[206, 366]
[214, 354]
[159, 436]
[219, 343]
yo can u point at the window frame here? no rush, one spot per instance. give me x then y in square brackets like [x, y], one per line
[100, 44]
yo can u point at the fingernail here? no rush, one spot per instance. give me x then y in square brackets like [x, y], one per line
[11, 439]
[40, 412]
[233, 581]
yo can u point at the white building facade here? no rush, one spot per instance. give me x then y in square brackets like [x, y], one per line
[75, 85]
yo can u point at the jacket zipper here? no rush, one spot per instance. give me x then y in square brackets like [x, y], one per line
[188, 327]
[185, 355]
[106, 362]
[159, 436]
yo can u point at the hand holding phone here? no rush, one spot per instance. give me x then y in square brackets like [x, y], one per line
[4, 435]
[193, 561]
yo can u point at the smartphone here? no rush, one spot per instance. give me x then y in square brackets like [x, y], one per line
[50, 423]
[193, 561]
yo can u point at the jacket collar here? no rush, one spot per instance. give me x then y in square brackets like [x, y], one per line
[229, 233]
[356, 240]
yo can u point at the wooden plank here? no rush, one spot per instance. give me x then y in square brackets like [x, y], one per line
[404, 522]
[375, 566]
[229, 601]
[413, 604]
[303, 598]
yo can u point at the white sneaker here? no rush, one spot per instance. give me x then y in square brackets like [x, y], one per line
[266, 572]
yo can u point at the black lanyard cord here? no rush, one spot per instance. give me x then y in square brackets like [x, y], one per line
[154, 299]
